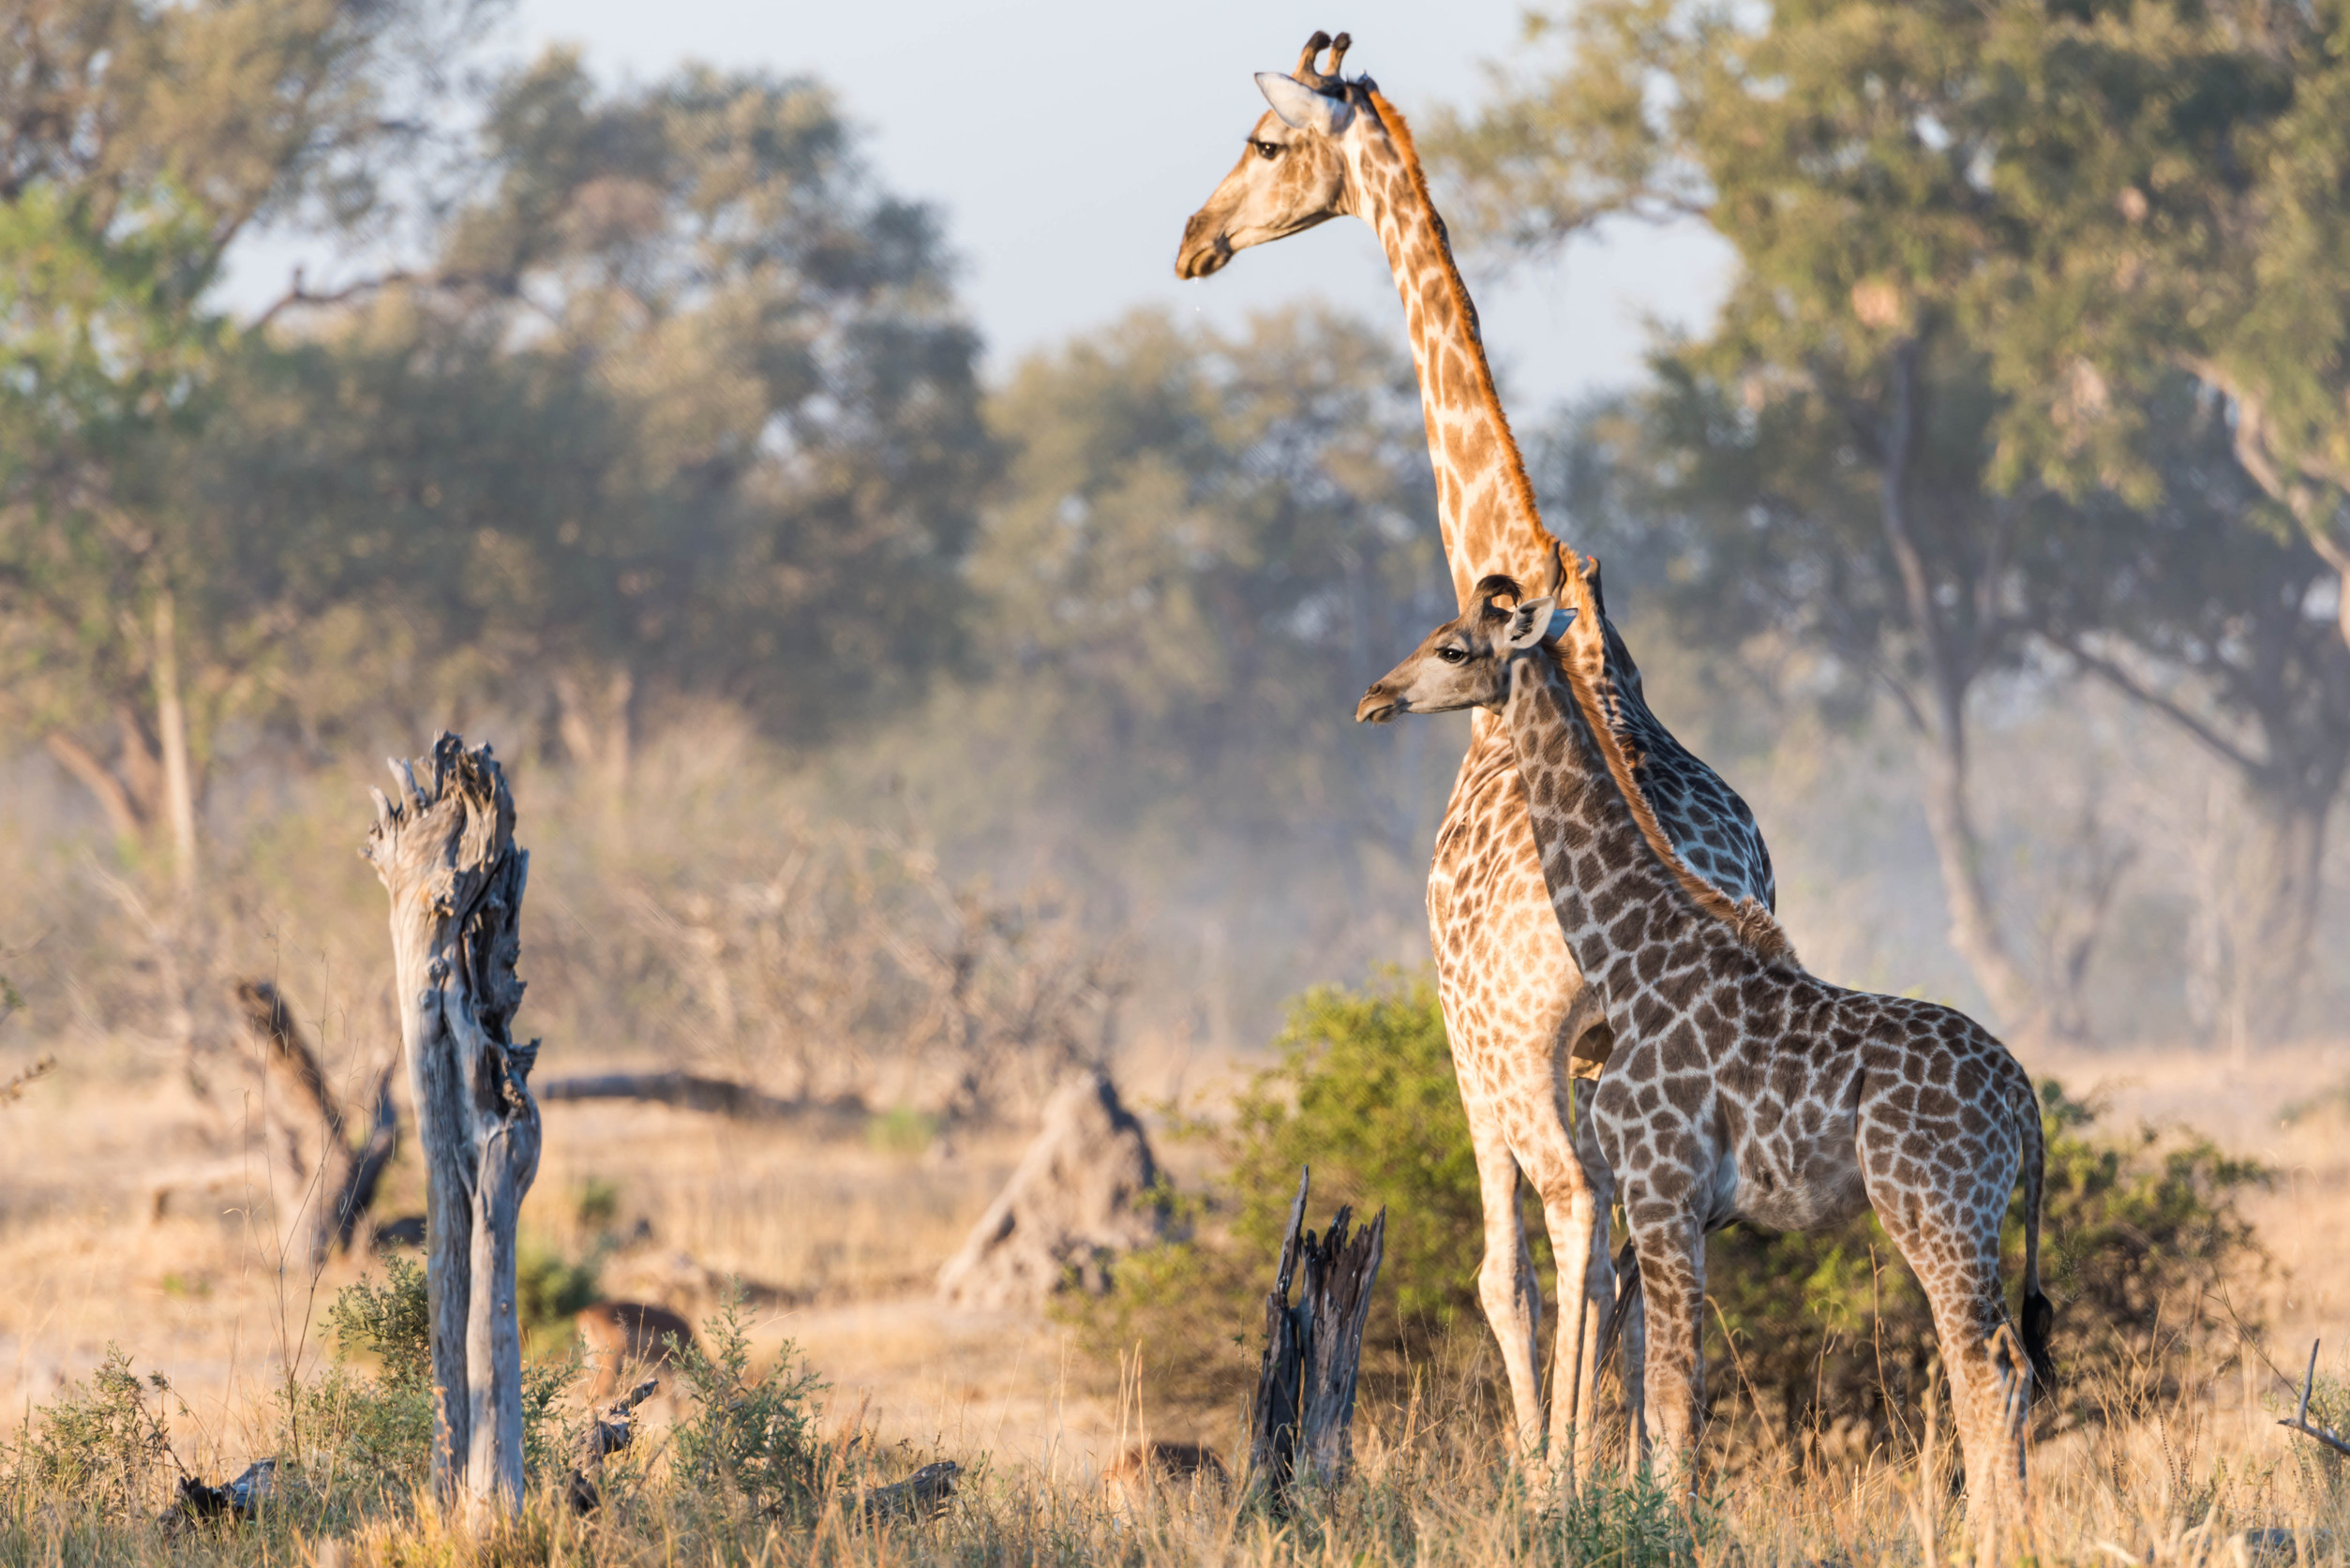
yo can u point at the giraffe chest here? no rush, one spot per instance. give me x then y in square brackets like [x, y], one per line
[1503, 967]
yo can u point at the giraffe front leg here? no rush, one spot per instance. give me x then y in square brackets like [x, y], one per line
[1671, 1250]
[1507, 1288]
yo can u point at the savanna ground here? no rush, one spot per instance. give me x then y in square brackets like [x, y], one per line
[835, 1232]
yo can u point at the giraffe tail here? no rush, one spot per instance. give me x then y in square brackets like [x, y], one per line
[2040, 1317]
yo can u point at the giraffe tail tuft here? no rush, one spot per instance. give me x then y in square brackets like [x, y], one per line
[2039, 1317]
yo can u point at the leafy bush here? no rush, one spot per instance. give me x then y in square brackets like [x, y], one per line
[1364, 1094]
[381, 1428]
[100, 1441]
[752, 1435]
[549, 1291]
[390, 1321]
[1822, 1337]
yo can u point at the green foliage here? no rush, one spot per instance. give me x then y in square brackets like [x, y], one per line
[596, 1206]
[549, 1291]
[1364, 1095]
[381, 1428]
[902, 1130]
[391, 1321]
[101, 1442]
[752, 1434]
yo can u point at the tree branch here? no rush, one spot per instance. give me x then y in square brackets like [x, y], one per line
[99, 780]
[2137, 691]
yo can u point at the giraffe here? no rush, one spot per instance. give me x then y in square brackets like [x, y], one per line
[1523, 1028]
[1743, 1087]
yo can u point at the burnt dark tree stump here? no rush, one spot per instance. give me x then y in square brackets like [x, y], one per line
[1300, 1432]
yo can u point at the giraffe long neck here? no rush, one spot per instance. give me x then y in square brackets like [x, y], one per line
[1619, 888]
[1484, 501]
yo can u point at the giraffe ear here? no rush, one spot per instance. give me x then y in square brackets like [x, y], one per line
[1301, 108]
[1534, 622]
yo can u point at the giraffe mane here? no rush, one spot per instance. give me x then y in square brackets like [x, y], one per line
[1513, 463]
[1755, 927]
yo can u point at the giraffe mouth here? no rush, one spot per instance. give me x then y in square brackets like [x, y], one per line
[1377, 707]
[1202, 252]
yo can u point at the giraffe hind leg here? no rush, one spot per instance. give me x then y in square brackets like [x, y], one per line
[1506, 1285]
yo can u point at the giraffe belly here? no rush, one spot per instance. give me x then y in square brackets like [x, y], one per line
[1800, 1184]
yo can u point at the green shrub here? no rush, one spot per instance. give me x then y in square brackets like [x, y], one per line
[1363, 1093]
[381, 1428]
[390, 1321]
[1818, 1336]
[102, 1442]
[751, 1435]
[549, 1291]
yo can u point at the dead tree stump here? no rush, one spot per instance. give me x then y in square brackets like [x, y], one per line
[447, 855]
[1301, 1429]
[346, 1177]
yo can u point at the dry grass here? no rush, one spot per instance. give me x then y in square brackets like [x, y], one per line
[840, 1237]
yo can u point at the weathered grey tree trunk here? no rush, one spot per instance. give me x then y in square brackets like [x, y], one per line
[1301, 1430]
[447, 855]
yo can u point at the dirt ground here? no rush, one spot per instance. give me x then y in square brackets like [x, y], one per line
[839, 1238]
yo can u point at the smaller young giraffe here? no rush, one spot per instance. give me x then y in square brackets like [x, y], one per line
[1743, 1087]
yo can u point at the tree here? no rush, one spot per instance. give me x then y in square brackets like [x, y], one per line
[2180, 170]
[2199, 605]
[684, 393]
[139, 144]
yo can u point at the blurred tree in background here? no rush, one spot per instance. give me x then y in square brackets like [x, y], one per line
[139, 144]
[638, 421]
[1204, 547]
[685, 400]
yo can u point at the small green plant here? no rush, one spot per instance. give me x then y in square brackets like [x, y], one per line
[103, 1440]
[751, 1434]
[390, 1321]
[597, 1204]
[382, 1427]
[549, 1289]
[902, 1130]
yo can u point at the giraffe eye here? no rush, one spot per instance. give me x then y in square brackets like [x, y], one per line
[1452, 655]
[1266, 150]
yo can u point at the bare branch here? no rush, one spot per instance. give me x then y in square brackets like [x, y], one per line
[2301, 1423]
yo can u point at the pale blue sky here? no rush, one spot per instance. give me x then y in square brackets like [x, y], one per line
[1067, 141]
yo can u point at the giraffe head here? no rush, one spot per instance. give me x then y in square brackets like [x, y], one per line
[1293, 174]
[1465, 662]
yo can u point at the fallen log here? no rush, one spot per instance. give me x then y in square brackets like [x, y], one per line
[610, 1430]
[923, 1495]
[689, 1091]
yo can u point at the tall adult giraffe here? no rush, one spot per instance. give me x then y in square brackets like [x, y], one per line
[1523, 1027]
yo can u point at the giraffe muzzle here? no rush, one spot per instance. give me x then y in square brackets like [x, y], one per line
[1205, 247]
[1378, 705]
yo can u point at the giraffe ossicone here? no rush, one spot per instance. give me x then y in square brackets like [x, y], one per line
[1526, 1040]
[1743, 1087]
